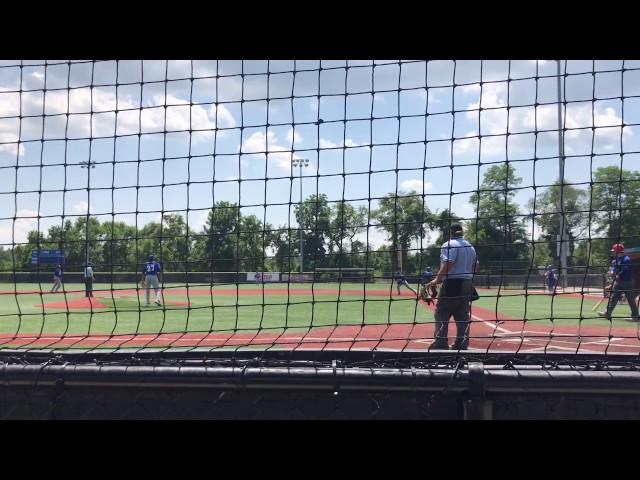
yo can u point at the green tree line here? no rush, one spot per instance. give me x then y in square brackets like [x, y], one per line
[606, 210]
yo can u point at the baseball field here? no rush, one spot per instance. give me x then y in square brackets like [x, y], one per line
[318, 316]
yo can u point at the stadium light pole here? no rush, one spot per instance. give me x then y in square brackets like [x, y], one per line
[562, 237]
[89, 165]
[300, 163]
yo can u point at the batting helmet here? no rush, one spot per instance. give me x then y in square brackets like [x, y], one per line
[618, 248]
[151, 258]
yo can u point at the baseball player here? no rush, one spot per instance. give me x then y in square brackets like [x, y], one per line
[425, 277]
[151, 278]
[623, 284]
[550, 279]
[57, 279]
[401, 280]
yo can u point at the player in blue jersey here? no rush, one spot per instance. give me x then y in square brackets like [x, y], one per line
[151, 278]
[401, 280]
[623, 284]
[57, 279]
[549, 279]
[425, 277]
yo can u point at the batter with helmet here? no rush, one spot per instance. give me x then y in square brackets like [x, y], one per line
[622, 283]
[151, 278]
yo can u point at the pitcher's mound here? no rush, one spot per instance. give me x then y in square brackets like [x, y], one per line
[83, 303]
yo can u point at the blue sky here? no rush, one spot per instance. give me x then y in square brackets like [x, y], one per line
[378, 116]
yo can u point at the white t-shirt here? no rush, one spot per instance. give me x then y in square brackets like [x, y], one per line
[88, 272]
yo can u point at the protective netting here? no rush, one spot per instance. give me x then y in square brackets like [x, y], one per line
[296, 205]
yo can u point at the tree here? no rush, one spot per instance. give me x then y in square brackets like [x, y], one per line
[177, 243]
[546, 214]
[381, 259]
[346, 222]
[252, 244]
[314, 217]
[117, 249]
[222, 234]
[615, 210]
[6, 262]
[280, 240]
[147, 242]
[404, 218]
[441, 223]
[497, 232]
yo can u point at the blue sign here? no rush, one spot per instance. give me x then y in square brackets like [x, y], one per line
[47, 256]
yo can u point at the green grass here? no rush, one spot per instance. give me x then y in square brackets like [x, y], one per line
[127, 314]
[563, 309]
[207, 313]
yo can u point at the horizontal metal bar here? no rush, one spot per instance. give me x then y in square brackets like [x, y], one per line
[559, 381]
[156, 356]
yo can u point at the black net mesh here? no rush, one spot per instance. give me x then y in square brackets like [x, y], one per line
[164, 209]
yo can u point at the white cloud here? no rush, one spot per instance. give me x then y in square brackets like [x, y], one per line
[495, 120]
[10, 231]
[324, 143]
[472, 88]
[132, 118]
[435, 94]
[81, 207]
[290, 136]
[11, 148]
[9, 127]
[259, 143]
[416, 184]
[467, 144]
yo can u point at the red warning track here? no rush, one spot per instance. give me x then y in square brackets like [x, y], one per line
[488, 332]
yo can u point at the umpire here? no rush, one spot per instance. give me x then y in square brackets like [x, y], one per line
[458, 262]
[88, 280]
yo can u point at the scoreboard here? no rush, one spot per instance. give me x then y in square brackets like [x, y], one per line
[47, 257]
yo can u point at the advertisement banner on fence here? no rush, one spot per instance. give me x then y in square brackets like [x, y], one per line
[263, 276]
[297, 277]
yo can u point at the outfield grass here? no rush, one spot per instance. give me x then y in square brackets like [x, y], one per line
[125, 313]
[217, 312]
[563, 309]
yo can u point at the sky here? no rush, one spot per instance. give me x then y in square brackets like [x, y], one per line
[177, 136]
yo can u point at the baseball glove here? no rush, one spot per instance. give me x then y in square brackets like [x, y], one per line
[429, 294]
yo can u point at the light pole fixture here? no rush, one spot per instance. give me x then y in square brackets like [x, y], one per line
[300, 163]
[89, 165]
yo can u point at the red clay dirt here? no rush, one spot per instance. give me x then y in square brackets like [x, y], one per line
[82, 303]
